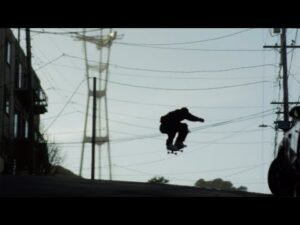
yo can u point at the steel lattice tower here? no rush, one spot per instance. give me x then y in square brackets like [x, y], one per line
[103, 44]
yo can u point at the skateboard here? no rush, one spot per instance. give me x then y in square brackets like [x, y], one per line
[175, 151]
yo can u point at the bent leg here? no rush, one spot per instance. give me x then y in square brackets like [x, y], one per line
[170, 130]
[171, 135]
[183, 131]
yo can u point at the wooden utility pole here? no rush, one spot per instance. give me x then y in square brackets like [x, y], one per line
[285, 76]
[283, 54]
[94, 128]
[32, 153]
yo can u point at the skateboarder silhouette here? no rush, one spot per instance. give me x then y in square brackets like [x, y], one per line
[171, 124]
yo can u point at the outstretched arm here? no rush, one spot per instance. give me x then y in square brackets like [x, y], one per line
[191, 117]
[201, 120]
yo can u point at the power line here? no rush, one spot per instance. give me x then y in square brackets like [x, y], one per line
[61, 33]
[153, 119]
[190, 106]
[143, 173]
[194, 49]
[133, 134]
[160, 77]
[238, 119]
[155, 161]
[125, 123]
[205, 143]
[63, 108]
[246, 170]
[293, 50]
[66, 114]
[192, 42]
[182, 77]
[51, 61]
[117, 140]
[184, 89]
[201, 128]
[50, 78]
[169, 158]
[48, 63]
[165, 105]
[177, 71]
[54, 84]
[198, 172]
[130, 124]
[192, 71]
[217, 140]
[139, 137]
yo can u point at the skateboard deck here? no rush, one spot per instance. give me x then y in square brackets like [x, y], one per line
[175, 151]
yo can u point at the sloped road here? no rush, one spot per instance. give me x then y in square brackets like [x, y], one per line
[65, 186]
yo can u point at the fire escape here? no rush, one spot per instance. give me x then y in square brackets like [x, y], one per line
[21, 152]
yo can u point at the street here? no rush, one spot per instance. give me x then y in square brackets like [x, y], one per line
[66, 186]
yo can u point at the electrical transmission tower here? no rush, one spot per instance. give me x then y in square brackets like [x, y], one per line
[103, 44]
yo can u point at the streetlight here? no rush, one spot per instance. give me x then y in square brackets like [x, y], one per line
[265, 126]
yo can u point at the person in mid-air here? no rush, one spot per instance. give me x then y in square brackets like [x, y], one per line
[171, 124]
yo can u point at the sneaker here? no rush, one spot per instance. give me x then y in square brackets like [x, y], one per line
[172, 147]
[180, 145]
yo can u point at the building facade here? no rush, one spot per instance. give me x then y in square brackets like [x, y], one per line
[16, 151]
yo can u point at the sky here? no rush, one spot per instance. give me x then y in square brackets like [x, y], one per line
[225, 76]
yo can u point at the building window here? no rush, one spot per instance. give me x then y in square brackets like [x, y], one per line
[26, 129]
[7, 106]
[16, 125]
[8, 52]
[6, 102]
[19, 76]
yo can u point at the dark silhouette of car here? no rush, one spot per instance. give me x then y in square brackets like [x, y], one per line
[284, 171]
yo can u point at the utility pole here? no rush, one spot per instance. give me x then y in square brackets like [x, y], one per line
[16, 84]
[94, 127]
[285, 123]
[32, 156]
[285, 76]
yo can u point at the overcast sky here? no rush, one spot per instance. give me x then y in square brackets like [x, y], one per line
[222, 75]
